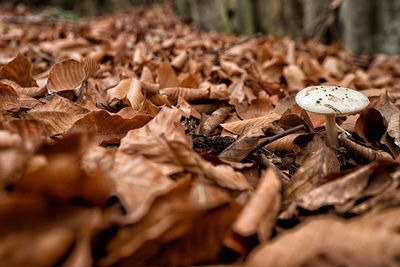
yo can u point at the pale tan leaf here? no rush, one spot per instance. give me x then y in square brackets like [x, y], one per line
[394, 128]
[147, 75]
[294, 77]
[243, 126]
[179, 61]
[231, 67]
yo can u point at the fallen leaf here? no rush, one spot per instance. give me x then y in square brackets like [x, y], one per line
[243, 126]
[19, 70]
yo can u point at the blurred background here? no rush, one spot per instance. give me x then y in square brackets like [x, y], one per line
[364, 26]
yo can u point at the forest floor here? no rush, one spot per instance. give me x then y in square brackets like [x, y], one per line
[129, 140]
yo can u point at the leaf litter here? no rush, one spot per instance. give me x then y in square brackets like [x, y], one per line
[135, 140]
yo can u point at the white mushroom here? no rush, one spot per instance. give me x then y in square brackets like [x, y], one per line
[331, 100]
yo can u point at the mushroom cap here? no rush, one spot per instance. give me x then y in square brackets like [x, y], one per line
[331, 100]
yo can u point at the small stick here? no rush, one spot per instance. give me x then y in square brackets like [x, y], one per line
[276, 137]
[40, 54]
[227, 47]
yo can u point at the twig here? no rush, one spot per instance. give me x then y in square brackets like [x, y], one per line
[227, 47]
[276, 137]
[40, 54]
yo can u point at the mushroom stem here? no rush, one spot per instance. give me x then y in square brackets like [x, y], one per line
[331, 130]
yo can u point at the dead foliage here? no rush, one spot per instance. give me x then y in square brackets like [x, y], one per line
[133, 140]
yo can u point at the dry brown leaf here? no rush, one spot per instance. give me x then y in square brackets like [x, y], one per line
[19, 70]
[35, 233]
[260, 212]
[364, 246]
[166, 76]
[241, 148]
[108, 128]
[243, 126]
[340, 193]
[58, 113]
[217, 117]
[316, 166]
[187, 109]
[69, 74]
[222, 175]
[32, 133]
[179, 61]
[9, 98]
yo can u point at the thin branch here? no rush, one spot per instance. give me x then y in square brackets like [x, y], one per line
[41, 55]
[227, 47]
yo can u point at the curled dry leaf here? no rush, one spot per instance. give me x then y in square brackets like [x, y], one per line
[260, 212]
[231, 68]
[69, 74]
[316, 166]
[243, 126]
[19, 70]
[367, 153]
[215, 119]
[58, 113]
[108, 128]
[370, 125]
[188, 94]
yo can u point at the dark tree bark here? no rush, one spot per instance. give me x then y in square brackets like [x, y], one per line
[371, 26]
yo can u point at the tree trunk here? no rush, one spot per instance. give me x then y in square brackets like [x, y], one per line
[315, 12]
[210, 15]
[183, 9]
[243, 22]
[280, 17]
[371, 26]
